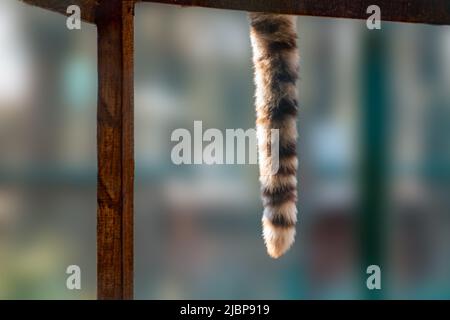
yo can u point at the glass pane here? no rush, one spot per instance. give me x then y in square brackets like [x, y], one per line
[198, 226]
[48, 155]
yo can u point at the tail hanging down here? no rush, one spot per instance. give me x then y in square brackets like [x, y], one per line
[276, 60]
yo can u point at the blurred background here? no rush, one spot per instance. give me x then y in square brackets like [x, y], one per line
[375, 97]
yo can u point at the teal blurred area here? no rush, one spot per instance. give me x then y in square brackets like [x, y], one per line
[198, 233]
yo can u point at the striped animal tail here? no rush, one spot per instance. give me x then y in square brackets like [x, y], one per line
[276, 63]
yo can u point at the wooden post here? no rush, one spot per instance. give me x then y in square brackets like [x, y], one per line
[115, 149]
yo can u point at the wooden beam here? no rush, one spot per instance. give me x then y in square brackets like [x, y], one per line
[115, 145]
[418, 11]
[87, 7]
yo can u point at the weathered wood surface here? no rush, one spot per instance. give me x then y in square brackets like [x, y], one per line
[115, 150]
[417, 11]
